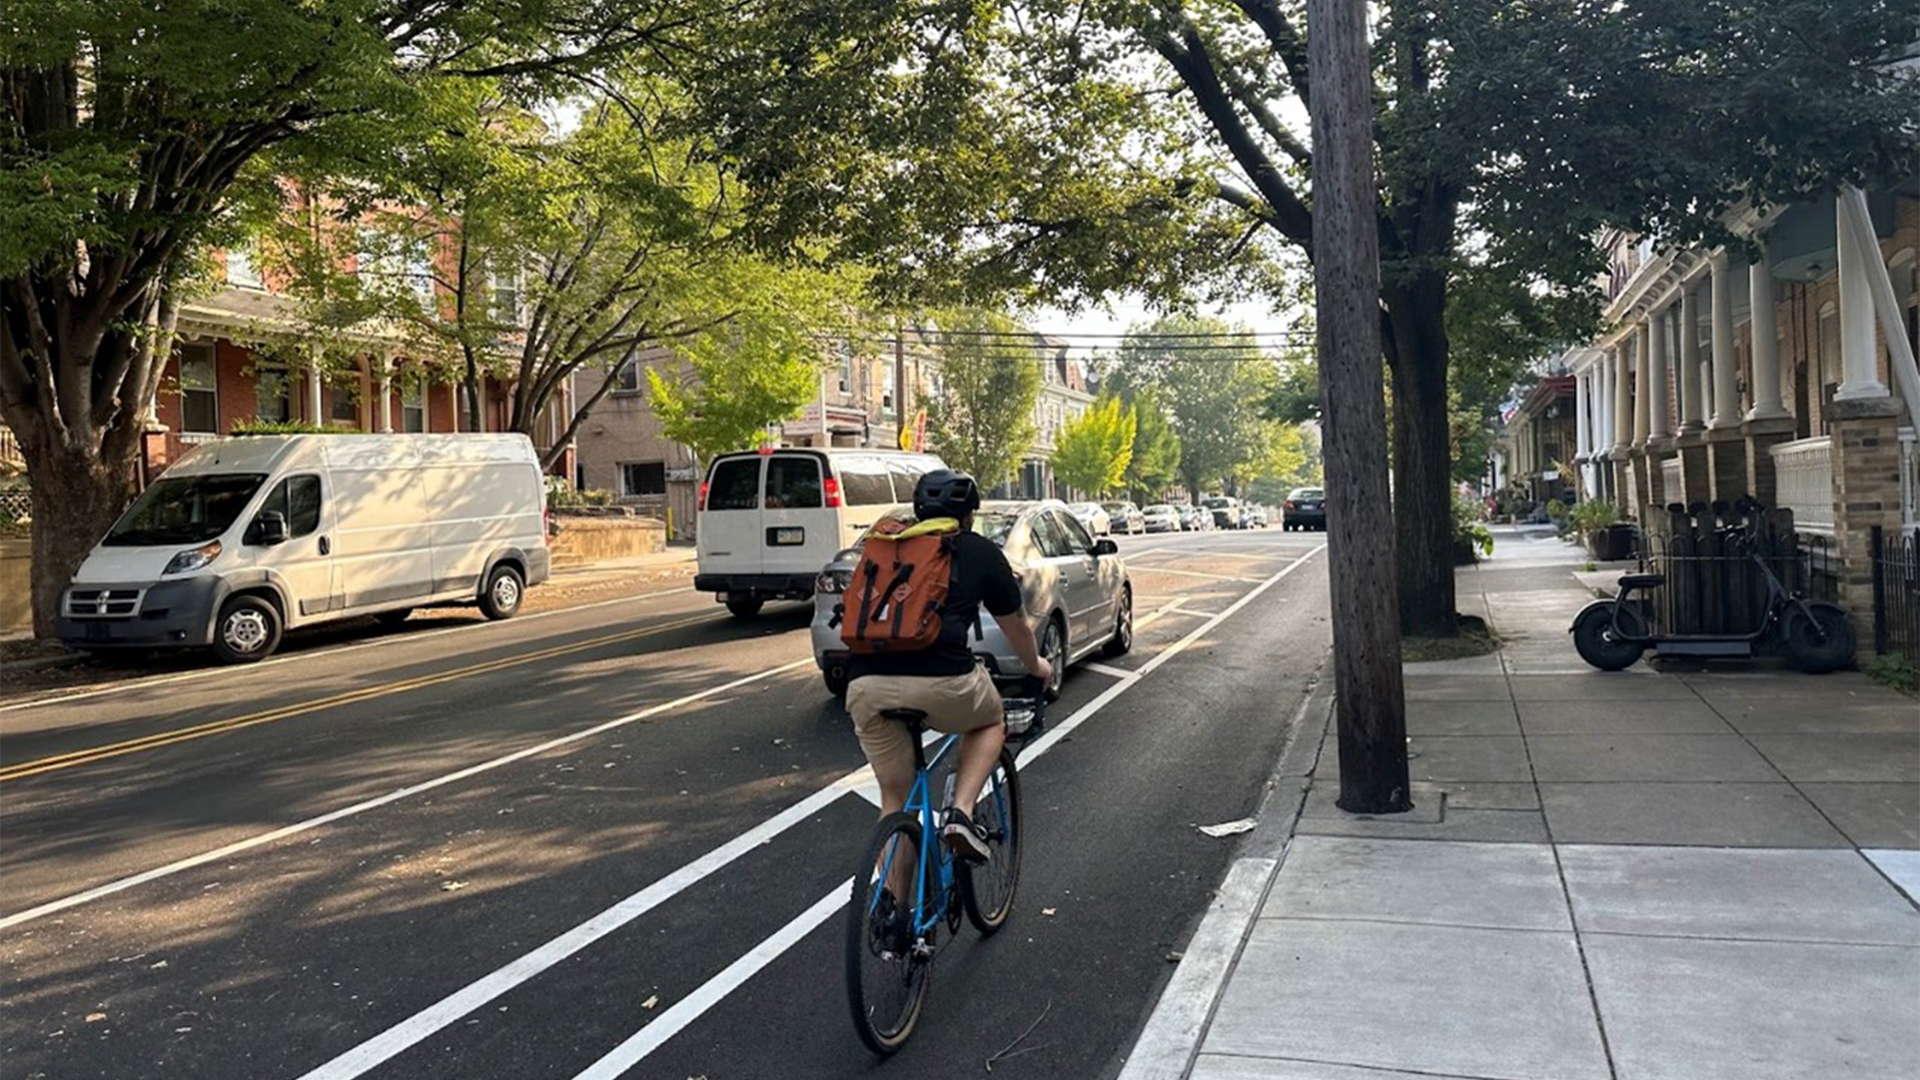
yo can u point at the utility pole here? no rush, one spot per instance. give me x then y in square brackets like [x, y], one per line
[899, 383]
[1369, 697]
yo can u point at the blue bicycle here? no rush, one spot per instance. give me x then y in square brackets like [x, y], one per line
[891, 937]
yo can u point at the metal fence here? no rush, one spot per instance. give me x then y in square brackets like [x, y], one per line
[1713, 583]
[1896, 593]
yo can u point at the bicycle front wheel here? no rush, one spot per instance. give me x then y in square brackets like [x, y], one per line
[887, 979]
[986, 889]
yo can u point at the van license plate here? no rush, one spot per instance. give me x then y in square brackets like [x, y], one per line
[96, 631]
[789, 536]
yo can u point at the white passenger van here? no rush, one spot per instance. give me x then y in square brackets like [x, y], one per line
[770, 519]
[244, 538]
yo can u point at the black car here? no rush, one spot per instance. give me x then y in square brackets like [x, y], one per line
[1305, 508]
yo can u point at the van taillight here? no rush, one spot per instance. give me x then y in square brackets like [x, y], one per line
[1286, 504]
[703, 494]
[833, 491]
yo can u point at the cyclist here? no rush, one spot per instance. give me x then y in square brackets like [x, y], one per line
[946, 681]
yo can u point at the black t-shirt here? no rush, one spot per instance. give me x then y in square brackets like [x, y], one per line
[980, 576]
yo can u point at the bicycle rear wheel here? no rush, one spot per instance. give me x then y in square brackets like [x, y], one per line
[986, 889]
[886, 981]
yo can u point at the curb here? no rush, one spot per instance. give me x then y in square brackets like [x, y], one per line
[1170, 1040]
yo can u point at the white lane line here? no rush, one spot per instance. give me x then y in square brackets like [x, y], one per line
[140, 682]
[382, 1047]
[1198, 574]
[1107, 669]
[362, 807]
[732, 977]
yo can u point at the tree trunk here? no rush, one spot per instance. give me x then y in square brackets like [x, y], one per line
[1346, 273]
[1422, 457]
[76, 498]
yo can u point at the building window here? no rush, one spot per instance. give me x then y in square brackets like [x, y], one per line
[242, 273]
[506, 297]
[643, 478]
[345, 403]
[272, 393]
[420, 274]
[627, 379]
[843, 356]
[413, 402]
[199, 389]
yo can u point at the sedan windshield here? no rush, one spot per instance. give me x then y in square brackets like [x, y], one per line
[184, 509]
[1158, 508]
[1308, 493]
[1218, 504]
[1114, 508]
[992, 524]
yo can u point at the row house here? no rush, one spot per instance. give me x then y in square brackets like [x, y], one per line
[1066, 393]
[236, 361]
[1537, 441]
[1782, 370]
[869, 386]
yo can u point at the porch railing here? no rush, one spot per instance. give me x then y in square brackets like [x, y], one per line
[1909, 480]
[1803, 476]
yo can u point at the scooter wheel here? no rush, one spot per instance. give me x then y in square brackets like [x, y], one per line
[1601, 636]
[1822, 643]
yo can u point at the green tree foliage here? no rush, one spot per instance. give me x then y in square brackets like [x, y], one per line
[1093, 450]
[1047, 160]
[980, 414]
[1156, 447]
[1212, 398]
[721, 400]
[130, 136]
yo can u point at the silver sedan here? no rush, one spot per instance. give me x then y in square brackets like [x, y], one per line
[1078, 597]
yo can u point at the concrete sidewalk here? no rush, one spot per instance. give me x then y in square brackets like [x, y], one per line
[1636, 875]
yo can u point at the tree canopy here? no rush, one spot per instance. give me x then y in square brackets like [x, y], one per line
[1093, 450]
[980, 413]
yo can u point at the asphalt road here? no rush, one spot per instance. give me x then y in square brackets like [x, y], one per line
[608, 841]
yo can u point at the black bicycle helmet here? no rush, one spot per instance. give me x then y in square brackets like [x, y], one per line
[945, 493]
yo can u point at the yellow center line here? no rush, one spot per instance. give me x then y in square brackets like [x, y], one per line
[216, 727]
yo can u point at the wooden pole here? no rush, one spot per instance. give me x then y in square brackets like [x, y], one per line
[1346, 278]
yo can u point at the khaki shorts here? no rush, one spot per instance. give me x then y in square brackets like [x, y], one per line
[953, 703]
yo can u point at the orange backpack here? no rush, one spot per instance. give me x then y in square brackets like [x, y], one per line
[894, 599]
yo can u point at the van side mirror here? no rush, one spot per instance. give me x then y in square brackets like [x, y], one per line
[270, 528]
[1105, 546]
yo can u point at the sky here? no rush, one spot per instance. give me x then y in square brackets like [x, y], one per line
[1127, 310]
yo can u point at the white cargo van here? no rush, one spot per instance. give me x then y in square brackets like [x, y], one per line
[244, 538]
[770, 519]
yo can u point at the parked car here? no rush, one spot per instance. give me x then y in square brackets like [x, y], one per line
[1226, 510]
[1196, 518]
[1126, 517]
[767, 520]
[1077, 594]
[1089, 514]
[1305, 508]
[245, 538]
[1160, 517]
[1256, 517]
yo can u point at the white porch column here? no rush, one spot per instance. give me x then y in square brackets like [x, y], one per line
[1693, 413]
[1766, 344]
[1860, 379]
[1661, 322]
[1582, 423]
[1726, 385]
[1642, 381]
[315, 415]
[1622, 395]
[382, 393]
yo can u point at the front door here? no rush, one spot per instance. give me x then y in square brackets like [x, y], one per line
[304, 564]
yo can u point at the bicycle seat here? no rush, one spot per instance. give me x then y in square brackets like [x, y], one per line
[1642, 581]
[905, 716]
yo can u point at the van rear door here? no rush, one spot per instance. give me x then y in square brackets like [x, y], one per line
[800, 519]
[728, 539]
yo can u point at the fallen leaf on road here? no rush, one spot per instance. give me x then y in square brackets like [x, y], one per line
[650, 1002]
[450, 886]
[158, 966]
[1174, 957]
[1229, 828]
[1047, 911]
[94, 1018]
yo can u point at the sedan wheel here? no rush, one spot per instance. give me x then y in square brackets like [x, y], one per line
[1122, 640]
[1053, 646]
